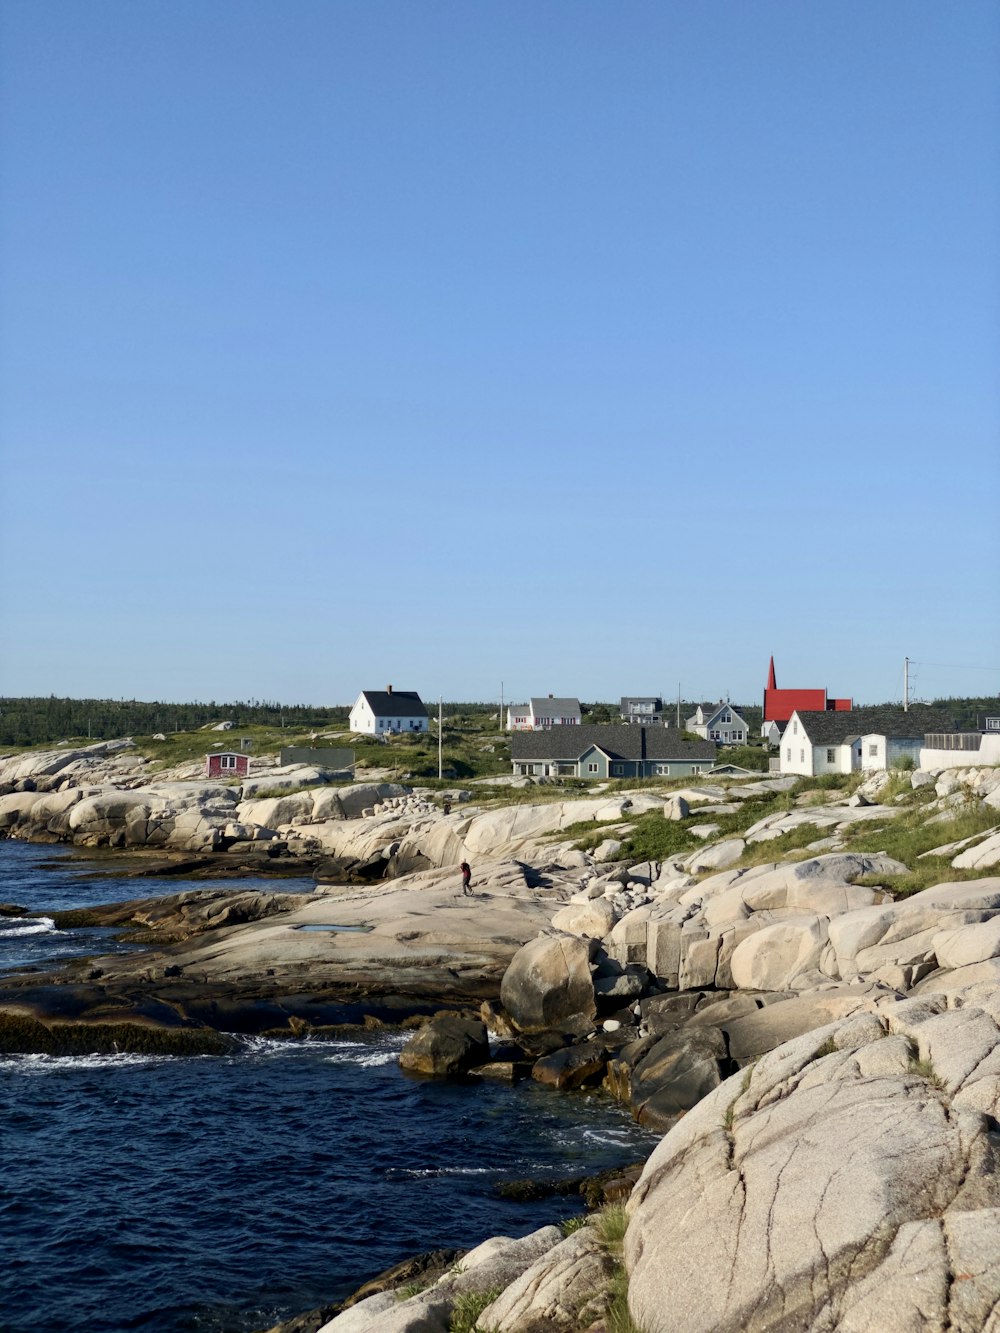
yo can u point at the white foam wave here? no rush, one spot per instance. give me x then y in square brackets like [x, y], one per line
[28, 925]
[405, 1173]
[365, 1057]
[49, 1064]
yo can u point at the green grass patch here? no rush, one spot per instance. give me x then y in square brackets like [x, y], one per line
[467, 1309]
[925, 1069]
[571, 1224]
[907, 837]
[612, 1223]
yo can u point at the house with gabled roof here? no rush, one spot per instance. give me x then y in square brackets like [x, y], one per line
[388, 712]
[616, 751]
[843, 741]
[720, 722]
[539, 714]
[642, 709]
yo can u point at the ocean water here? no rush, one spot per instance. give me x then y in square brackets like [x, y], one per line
[221, 1194]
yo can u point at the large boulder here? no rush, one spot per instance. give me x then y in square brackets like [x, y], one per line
[573, 1066]
[838, 1185]
[566, 1289]
[549, 980]
[593, 918]
[775, 956]
[676, 1073]
[445, 1047]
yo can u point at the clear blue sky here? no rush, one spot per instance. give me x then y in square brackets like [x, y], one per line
[586, 347]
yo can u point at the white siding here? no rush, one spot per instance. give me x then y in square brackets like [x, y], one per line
[362, 717]
[986, 756]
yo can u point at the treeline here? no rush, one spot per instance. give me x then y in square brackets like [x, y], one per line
[970, 714]
[36, 721]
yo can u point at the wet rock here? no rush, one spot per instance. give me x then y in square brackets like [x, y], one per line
[445, 1047]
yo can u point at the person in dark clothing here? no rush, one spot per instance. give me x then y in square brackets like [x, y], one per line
[466, 877]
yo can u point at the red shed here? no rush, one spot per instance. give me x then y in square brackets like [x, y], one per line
[227, 764]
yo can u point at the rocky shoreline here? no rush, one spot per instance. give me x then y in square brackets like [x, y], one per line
[822, 1055]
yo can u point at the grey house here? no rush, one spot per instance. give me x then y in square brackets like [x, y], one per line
[594, 752]
[721, 722]
[641, 709]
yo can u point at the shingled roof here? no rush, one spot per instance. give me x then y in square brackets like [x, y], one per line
[837, 728]
[398, 703]
[627, 742]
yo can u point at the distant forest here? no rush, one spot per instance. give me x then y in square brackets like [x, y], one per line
[42, 720]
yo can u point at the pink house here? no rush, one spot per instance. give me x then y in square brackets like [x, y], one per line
[227, 764]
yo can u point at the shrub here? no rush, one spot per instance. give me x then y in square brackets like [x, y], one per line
[467, 1309]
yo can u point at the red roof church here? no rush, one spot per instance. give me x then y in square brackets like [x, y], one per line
[779, 705]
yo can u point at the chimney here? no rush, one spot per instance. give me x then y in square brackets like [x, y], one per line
[388, 689]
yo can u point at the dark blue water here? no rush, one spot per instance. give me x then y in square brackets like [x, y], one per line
[225, 1193]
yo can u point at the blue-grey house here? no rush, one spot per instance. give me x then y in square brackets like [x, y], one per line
[623, 751]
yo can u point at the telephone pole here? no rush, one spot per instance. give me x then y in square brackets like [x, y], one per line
[440, 736]
[906, 684]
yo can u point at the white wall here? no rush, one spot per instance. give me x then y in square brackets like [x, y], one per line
[986, 756]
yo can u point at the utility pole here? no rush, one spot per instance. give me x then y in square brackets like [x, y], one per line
[501, 706]
[678, 705]
[906, 684]
[440, 736]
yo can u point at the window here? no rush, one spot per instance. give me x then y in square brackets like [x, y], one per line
[618, 769]
[591, 768]
[831, 756]
[715, 735]
[662, 770]
[227, 761]
[802, 756]
[795, 728]
[872, 751]
[737, 735]
[725, 716]
[788, 755]
[696, 768]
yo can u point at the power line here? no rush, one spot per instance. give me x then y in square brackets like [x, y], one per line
[951, 666]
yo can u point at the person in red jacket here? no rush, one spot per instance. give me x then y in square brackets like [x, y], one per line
[466, 877]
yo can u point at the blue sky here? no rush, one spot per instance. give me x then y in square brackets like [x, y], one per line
[584, 347]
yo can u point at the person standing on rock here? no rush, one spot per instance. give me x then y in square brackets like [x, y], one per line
[466, 877]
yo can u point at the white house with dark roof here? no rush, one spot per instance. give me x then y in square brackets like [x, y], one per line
[541, 714]
[815, 743]
[388, 711]
[719, 722]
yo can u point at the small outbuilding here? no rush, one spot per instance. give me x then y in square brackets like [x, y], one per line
[227, 764]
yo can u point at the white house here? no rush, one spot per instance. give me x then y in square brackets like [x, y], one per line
[385, 712]
[719, 722]
[519, 717]
[858, 738]
[541, 714]
[771, 732]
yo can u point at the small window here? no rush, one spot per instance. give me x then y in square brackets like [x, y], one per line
[591, 768]
[802, 756]
[228, 761]
[696, 768]
[618, 769]
[873, 750]
[788, 755]
[830, 756]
